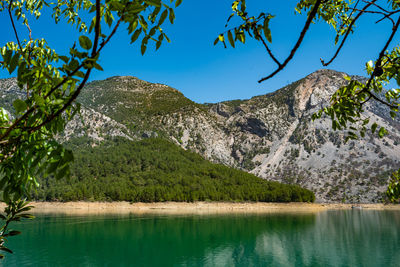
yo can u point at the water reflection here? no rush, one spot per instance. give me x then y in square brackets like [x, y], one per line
[335, 238]
[338, 238]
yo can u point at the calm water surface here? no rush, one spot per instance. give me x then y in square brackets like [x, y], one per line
[333, 238]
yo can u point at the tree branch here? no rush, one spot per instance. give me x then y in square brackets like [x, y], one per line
[378, 6]
[94, 54]
[380, 100]
[75, 95]
[378, 66]
[310, 18]
[13, 25]
[96, 29]
[346, 35]
[268, 50]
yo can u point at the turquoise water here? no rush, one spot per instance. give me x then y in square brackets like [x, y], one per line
[333, 238]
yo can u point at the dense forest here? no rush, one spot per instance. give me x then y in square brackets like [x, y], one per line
[155, 170]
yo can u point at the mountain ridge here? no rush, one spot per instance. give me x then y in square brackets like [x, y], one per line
[270, 135]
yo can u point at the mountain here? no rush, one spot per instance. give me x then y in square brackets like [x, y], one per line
[271, 136]
[112, 164]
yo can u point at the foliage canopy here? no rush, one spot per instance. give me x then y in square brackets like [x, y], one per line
[51, 82]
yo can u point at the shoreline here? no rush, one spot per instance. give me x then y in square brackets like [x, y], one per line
[91, 208]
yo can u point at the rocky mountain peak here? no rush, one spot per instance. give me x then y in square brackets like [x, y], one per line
[317, 88]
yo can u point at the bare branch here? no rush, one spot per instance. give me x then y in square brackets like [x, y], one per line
[380, 100]
[346, 35]
[310, 18]
[386, 16]
[13, 25]
[97, 29]
[378, 6]
[268, 49]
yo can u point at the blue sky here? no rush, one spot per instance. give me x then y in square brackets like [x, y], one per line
[208, 73]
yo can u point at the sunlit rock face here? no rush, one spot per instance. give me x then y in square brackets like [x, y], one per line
[270, 135]
[275, 138]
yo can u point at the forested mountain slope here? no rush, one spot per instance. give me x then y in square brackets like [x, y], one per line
[153, 170]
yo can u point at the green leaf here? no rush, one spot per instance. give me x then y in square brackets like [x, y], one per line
[156, 3]
[243, 5]
[241, 37]
[235, 5]
[143, 23]
[39, 100]
[116, 6]
[135, 35]
[92, 24]
[152, 31]
[25, 209]
[178, 2]
[64, 58]
[7, 56]
[13, 63]
[135, 8]
[62, 172]
[143, 48]
[97, 66]
[80, 74]
[52, 168]
[163, 17]
[19, 105]
[154, 14]
[171, 16]
[216, 41]
[230, 38]
[108, 18]
[27, 216]
[158, 44]
[85, 42]
[132, 26]
[267, 31]
[6, 196]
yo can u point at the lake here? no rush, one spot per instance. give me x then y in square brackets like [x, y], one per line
[330, 238]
